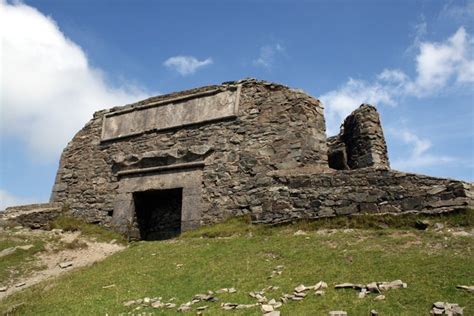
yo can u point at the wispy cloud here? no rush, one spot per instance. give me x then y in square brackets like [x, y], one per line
[49, 89]
[268, 55]
[458, 11]
[419, 32]
[419, 155]
[186, 65]
[441, 63]
[438, 65]
[341, 102]
[7, 199]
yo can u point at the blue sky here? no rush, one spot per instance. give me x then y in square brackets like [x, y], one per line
[63, 60]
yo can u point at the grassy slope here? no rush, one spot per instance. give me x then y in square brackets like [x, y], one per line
[71, 224]
[431, 263]
[21, 261]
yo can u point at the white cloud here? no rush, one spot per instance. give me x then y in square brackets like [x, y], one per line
[393, 76]
[439, 65]
[7, 199]
[418, 156]
[268, 55]
[341, 102]
[186, 65]
[48, 88]
[459, 12]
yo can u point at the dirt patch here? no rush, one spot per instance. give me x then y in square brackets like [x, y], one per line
[55, 261]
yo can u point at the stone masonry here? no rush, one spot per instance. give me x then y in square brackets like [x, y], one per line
[360, 143]
[34, 216]
[244, 147]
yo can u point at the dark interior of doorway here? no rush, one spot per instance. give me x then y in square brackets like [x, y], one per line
[158, 213]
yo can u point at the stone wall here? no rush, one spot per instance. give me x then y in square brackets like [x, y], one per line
[264, 153]
[276, 128]
[302, 195]
[360, 143]
[34, 216]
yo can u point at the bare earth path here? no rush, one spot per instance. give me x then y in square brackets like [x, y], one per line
[70, 259]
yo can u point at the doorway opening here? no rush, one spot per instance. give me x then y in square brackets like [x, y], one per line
[158, 213]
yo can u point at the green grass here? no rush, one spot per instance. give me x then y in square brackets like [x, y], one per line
[232, 227]
[459, 218]
[238, 226]
[21, 261]
[71, 224]
[236, 254]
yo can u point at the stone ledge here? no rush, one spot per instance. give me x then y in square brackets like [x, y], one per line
[34, 216]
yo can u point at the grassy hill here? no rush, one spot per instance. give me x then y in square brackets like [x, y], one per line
[236, 254]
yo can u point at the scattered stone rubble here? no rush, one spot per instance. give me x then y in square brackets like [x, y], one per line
[230, 306]
[11, 250]
[300, 292]
[442, 308]
[226, 290]
[469, 288]
[155, 302]
[66, 264]
[269, 307]
[277, 271]
[373, 287]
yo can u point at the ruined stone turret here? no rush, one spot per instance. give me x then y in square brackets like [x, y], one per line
[360, 143]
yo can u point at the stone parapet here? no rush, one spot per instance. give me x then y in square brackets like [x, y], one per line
[34, 216]
[362, 191]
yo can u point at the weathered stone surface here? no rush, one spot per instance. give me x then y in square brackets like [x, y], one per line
[269, 160]
[34, 216]
[469, 288]
[360, 143]
[177, 112]
[67, 264]
[442, 308]
[397, 284]
[347, 192]
[7, 251]
[266, 308]
[349, 286]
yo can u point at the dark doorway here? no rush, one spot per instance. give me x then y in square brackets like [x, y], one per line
[158, 213]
